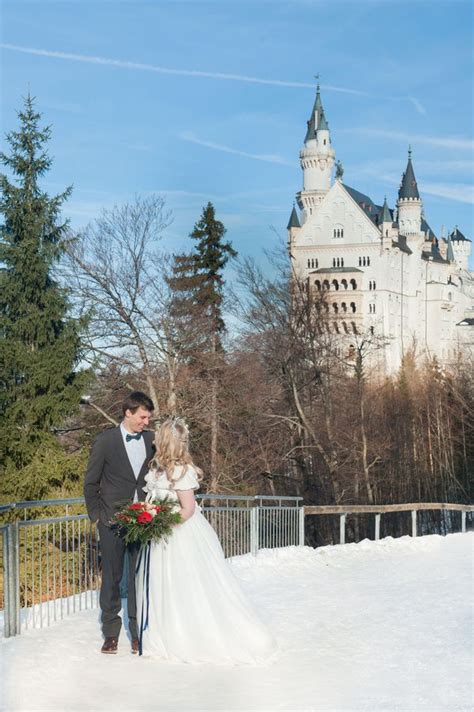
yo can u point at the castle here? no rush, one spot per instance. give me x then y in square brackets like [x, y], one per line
[383, 270]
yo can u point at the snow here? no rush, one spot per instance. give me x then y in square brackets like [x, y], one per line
[371, 626]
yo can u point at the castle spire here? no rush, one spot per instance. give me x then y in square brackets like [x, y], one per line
[385, 216]
[408, 186]
[294, 220]
[316, 158]
[409, 202]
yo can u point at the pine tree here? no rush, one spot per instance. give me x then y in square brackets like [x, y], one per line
[39, 341]
[198, 286]
[210, 257]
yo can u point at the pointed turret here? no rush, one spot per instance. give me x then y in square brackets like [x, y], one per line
[408, 186]
[294, 220]
[457, 236]
[409, 202]
[386, 216]
[461, 246]
[316, 158]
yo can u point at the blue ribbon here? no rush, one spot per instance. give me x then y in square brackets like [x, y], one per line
[145, 554]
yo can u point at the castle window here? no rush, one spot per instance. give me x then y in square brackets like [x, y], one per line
[326, 284]
[335, 307]
[344, 306]
[368, 261]
[336, 327]
[354, 327]
[317, 284]
[344, 283]
[342, 261]
[373, 285]
[360, 261]
[353, 307]
[363, 261]
[309, 264]
[344, 326]
[335, 284]
[372, 330]
[353, 284]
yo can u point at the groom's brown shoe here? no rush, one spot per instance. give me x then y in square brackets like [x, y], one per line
[110, 645]
[134, 646]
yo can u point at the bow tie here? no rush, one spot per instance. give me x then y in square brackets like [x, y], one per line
[129, 437]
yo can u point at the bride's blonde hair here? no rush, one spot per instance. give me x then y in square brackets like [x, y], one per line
[172, 448]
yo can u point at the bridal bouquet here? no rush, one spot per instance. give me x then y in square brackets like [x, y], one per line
[146, 521]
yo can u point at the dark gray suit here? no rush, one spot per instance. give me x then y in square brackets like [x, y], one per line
[109, 482]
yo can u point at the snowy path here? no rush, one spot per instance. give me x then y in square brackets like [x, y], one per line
[372, 626]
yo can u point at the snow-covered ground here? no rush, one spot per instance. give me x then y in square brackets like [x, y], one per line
[373, 626]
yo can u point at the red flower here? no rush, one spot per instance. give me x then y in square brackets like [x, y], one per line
[137, 505]
[144, 518]
[157, 509]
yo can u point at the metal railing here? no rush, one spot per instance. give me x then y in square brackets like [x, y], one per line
[51, 564]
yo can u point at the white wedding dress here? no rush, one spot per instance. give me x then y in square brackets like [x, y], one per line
[190, 607]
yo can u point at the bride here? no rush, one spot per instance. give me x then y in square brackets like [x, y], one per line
[190, 607]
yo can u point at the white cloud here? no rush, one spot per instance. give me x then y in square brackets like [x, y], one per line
[465, 144]
[268, 158]
[460, 192]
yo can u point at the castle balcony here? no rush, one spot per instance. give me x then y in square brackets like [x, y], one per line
[341, 290]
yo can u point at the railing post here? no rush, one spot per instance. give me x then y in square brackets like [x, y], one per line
[11, 583]
[463, 521]
[301, 527]
[6, 582]
[377, 527]
[413, 522]
[254, 519]
[342, 529]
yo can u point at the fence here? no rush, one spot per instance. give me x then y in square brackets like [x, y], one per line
[377, 510]
[51, 564]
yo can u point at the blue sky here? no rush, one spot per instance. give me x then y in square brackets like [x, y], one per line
[209, 101]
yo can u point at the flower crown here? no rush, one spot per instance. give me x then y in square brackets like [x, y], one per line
[181, 423]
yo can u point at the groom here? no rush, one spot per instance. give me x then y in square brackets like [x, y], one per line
[116, 472]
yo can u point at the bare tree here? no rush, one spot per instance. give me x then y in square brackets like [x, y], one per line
[118, 275]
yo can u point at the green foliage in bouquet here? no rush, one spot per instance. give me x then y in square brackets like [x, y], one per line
[143, 522]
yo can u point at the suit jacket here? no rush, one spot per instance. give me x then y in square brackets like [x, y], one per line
[110, 479]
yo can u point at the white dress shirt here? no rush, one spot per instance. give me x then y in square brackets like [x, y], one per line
[136, 452]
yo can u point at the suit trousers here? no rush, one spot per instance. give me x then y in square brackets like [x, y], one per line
[113, 552]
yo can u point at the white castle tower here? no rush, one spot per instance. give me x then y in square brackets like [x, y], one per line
[409, 202]
[316, 159]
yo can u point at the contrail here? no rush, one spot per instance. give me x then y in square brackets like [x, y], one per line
[90, 59]
[269, 158]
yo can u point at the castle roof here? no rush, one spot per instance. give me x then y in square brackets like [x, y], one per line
[385, 215]
[457, 236]
[335, 269]
[426, 228]
[402, 244]
[434, 255]
[317, 119]
[408, 187]
[294, 220]
[371, 209]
